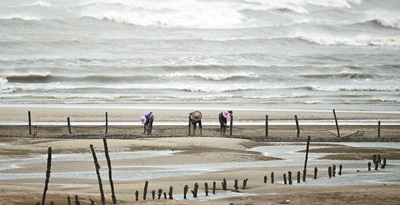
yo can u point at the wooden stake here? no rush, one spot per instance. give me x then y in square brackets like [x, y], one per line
[30, 123]
[231, 126]
[330, 172]
[97, 166]
[265, 179]
[333, 170]
[190, 124]
[245, 183]
[305, 163]
[214, 187]
[315, 172]
[165, 195]
[114, 199]
[379, 129]
[159, 193]
[236, 186]
[284, 179]
[171, 189]
[369, 166]
[266, 125]
[224, 184]
[137, 195]
[337, 125]
[77, 202]
[290, 177]
[272, 177]
[297, 126]
[185, 189]
[153, 194]
[194, 192]
[46, 184]
[340, 170]
[298, 176]
[107, 125]
[206, 188]
[69, 200]
[145, 190]
[69, 125]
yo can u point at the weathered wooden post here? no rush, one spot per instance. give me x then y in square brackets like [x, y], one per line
[91, 202]
[194, 192]
[107, 124]
[185, 189]
[272, 177]
[206, 188]
[159, 193]
[231, 125]
[337, 125]
[284, 179]
[374, 158]
[97, 167]
[297, 126]
[165, 195]
[114, 199]
[298, 176]
[330, 171]
[214, 187]
[333, 170]
[77, 202]
[290, 177]
[369, 166]
[190, 124]
[69, 200]
[384, 161]
[30, 123]
[379, 158]
[145, 190]
[315, 172]
[376, 165]
[379, 129]
[245, 183]
[69, 125]
[224, 185]
[266, 125]
[340, 170]
[46, 184]
[265, 179]
[170, 193]
[305, 163]
[236, 186]
[153, 194]
[136, 195]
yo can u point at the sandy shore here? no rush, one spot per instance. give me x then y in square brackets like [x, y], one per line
[188, 160]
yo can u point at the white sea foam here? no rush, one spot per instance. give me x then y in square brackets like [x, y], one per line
[394, 23]
[361, 40]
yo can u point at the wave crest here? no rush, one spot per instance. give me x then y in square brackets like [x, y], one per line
[393, 23]
[356, 41]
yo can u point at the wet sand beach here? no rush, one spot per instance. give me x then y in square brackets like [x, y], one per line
[170, 158]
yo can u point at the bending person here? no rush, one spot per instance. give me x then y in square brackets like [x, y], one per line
[223, 116]
[196, 119]
[147, 120]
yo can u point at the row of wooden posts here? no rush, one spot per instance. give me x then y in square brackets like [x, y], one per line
[230, 127]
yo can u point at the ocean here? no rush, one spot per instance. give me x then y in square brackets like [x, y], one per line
[252, 54]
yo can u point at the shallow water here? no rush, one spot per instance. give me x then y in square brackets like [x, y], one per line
[288, 152]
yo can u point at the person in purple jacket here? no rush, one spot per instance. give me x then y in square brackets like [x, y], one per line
[148, 125]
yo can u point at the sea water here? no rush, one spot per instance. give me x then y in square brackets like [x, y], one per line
[286, 54]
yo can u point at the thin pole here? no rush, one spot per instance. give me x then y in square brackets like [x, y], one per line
[106, 122]
[230, 131]
[97, 166]
[297, 126]
[109, 171]
[266, 125]
[30, 123]
[337, 125]
[47, 175]
[69, 125]
[305, 163]
[379, 129]
[190, 120]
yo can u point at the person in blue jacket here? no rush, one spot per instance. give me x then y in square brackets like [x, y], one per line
[148, 126]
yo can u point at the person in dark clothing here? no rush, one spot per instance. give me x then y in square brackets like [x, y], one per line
[196, 119]
[223, 116]
[148, 125]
